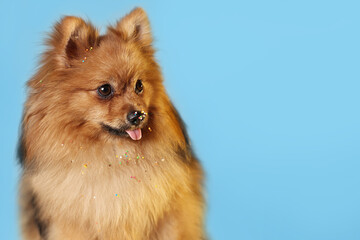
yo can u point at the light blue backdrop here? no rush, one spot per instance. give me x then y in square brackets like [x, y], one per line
[270, 91]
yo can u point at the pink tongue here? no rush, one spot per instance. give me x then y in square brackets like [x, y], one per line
[134, 134]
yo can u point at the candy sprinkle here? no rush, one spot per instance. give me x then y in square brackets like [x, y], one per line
[135, 178]
[85, 165]
[150, 129]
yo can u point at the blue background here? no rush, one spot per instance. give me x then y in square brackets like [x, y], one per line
[269, 91]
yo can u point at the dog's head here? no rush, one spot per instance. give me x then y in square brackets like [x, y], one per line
[101, 84]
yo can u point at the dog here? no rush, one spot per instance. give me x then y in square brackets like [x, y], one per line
[104, 153]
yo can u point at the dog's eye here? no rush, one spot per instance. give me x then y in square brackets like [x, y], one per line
[139, 87]
[105, 90]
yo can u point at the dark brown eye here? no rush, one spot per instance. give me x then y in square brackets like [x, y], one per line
[105, 90]
[139, 86]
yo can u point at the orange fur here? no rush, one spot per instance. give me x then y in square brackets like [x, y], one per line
[80, 181]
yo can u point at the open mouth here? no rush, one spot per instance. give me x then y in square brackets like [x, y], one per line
[135, 134]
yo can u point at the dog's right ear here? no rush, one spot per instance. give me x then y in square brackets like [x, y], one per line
[135, 27]
[70, 39]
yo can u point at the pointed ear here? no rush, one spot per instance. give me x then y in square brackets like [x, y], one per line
[70, 39]
[136, 26]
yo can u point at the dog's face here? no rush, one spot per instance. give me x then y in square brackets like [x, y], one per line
[106, 84]
[114, 87]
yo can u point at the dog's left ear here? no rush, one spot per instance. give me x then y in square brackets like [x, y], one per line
[72, 36]
[136, 27]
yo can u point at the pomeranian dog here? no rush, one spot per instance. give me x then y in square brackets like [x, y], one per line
[104, 153]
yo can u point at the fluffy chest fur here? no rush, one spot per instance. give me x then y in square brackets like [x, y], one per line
[109, 189]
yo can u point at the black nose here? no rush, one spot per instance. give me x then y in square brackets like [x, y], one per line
[135, 117]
